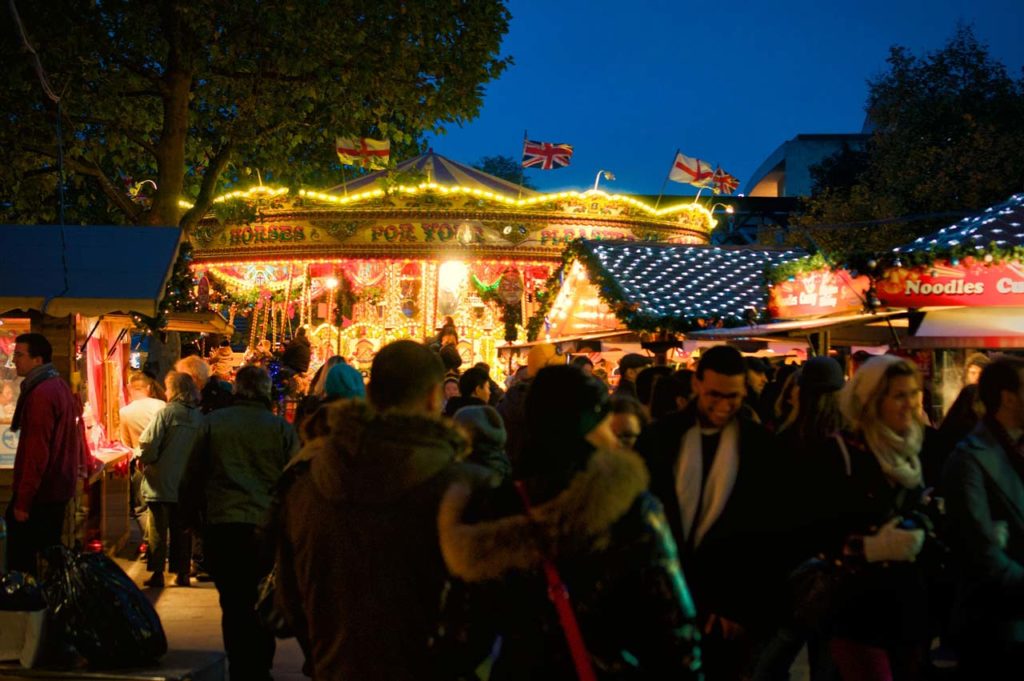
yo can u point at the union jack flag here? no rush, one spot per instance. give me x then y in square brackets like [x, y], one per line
[546, 155]
[723, 183]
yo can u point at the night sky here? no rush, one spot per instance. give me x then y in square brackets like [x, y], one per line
[627, 83]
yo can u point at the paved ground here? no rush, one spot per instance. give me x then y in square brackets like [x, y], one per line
[191, 619]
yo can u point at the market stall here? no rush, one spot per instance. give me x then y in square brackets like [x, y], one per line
[663, 293]
[69, 284]
[393, 254]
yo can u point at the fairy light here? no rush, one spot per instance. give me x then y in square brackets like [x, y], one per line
[689, 282]
[998, 225]
[696, 211]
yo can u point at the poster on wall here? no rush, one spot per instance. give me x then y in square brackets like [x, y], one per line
[971, 282]
[10, 329]
[818, 293]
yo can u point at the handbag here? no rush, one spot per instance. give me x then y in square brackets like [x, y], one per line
[269, 614]
[816, 588]
[558, 594]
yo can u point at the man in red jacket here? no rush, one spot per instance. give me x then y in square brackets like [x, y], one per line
[51, 451]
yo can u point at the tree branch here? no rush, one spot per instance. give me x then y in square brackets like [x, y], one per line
[205, 198]
[90, 169]
[130, 135]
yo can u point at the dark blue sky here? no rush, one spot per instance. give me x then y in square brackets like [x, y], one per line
[627, 83]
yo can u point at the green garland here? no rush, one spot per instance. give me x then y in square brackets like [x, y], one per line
[875, 264]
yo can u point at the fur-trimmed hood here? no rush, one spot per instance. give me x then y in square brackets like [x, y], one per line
[369, 457]
[578, 518]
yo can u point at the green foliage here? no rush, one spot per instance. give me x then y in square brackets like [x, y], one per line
[505, 167]
[949, 128]
[198, 95]
[794, 268]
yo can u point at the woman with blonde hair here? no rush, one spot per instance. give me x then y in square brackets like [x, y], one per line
[877, 520]
[166, 446]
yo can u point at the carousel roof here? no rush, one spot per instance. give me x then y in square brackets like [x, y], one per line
[442, 171]
[679, 286]
[1001, 226]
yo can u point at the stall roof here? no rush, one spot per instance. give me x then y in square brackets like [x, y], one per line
[442, 171]
[675, 285]
[90, 270]
[797, 326]
[1000, 225]
[970, 327]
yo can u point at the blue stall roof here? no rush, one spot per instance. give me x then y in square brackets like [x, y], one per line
[108, 268]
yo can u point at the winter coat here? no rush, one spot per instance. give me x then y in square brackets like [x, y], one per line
[882, 603]
[166, 446]
[983, 488]
[239, 454]
[51, 446]
[608, 537]
[216, 394]
[458, 402]
[737, 571]
[360, 573]
[513, 412]
[298, 354]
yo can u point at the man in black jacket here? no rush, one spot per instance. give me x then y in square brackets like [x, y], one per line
[712, 471]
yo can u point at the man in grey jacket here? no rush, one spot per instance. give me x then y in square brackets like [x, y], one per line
[984, 486]
[239, 456]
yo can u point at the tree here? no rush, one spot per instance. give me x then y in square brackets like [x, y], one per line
[948, 129]
[505, 167]
[196, 94]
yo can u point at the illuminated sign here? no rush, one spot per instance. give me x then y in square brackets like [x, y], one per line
[969, 282]
[818, 293]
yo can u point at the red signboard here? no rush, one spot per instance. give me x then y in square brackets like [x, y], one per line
[818, 293]
[970, 282]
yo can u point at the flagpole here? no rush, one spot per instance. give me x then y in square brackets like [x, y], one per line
[522, 175]
[665, 183]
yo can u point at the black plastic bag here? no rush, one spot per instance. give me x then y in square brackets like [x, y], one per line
[19, 591]
[103, 614]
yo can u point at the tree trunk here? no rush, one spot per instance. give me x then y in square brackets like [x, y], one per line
[170, 155]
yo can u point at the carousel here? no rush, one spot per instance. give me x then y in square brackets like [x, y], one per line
[392, 254]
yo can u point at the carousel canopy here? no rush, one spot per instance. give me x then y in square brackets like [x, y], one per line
[442, 171]
[680, 287]
[1000, 226]
[91, 270]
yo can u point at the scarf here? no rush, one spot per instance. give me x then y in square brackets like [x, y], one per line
[898, 456]
[34, 378]
[717, 487]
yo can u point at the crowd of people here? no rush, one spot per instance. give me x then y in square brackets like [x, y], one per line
[708, 522]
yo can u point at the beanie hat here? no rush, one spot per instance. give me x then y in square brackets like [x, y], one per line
[485, 427]
[822, 374]
[858, 393]
[540, 356]
[344, 381]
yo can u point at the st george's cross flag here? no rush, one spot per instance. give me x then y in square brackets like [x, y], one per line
[546, 155]
[363, 151]
[691, 171]
[723, 183]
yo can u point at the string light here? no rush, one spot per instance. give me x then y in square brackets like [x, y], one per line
[999, 226]
[688, 282]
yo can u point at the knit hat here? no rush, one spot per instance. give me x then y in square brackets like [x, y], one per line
[540, 356]
[344, 380]
[821, 374]
[485, 427]
[858, 393]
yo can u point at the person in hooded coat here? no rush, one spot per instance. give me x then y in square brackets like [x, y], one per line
[593, 516]
[360, 573]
